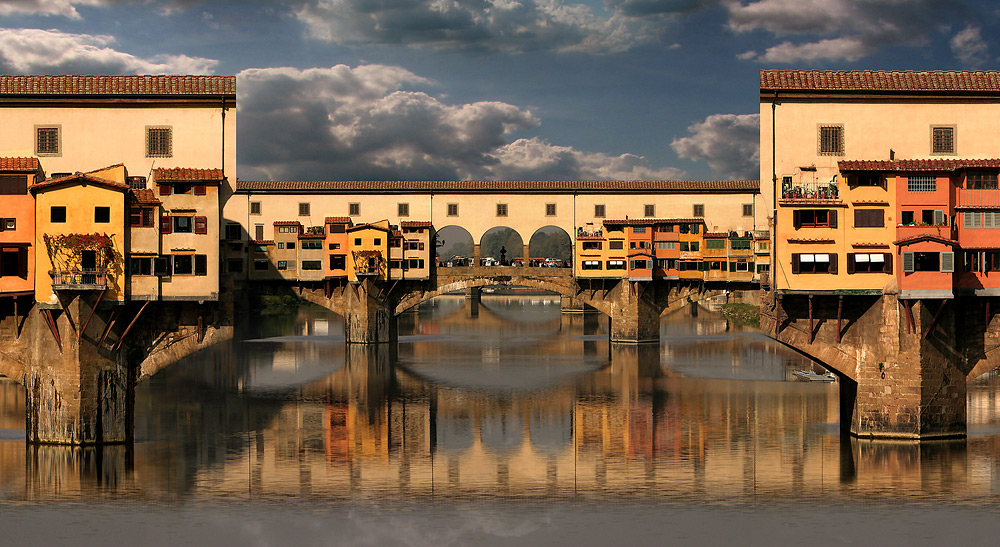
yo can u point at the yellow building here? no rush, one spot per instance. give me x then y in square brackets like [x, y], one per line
[80, 232]
[369, 251]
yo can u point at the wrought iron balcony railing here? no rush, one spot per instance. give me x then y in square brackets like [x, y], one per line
[79, 280]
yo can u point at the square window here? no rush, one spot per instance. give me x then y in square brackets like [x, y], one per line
[403, 209]
[303, 209]
[183, 265]
[158, 142]
[102, 215]
[831, 140]
[233, 232]
[748, 209]
[378, 241]
[921, 183]
[943, 140]
[57, 214]
[47, 141]
[599, 210]
[290, 245]
[254, 207]
[234, 265]
[353, 209]
[183, 224]
[357, 242]
[453, 209]
[550, 209]
[10, 224]
[649, 210]
[699, 210]
[981, 180]
[501, 209]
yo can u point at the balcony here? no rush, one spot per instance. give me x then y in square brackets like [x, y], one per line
[809, 191]
[76, 280]
[979, 199]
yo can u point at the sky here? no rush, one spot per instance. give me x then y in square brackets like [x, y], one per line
[495, 89]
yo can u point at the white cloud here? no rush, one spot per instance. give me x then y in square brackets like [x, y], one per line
[63, 8]
[970, 48]
[368, 123]
[511, 26]
[838, 30]
[729, 143]
[38, 51]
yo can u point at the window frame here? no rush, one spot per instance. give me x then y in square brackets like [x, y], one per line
[921, 183]
[501, 209]
[600, 210]
[52, 214]
[938, 140]
[305, 209]
[550, 209]
[698, 210]
[354, 209]
[649, 210]
[58, 141]
[402, 209]
[160, 151]
[830, 139]
[452, 209]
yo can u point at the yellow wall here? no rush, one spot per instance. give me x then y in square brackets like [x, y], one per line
[368, 235]
[80, 220]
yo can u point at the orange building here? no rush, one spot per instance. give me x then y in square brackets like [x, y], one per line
[337, 247]
[17, 226]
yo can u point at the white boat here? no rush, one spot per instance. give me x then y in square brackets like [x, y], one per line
[807, 376]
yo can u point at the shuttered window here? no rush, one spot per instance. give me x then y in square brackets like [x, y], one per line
[869, 218]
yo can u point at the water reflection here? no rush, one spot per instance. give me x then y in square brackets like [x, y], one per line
[519, 401]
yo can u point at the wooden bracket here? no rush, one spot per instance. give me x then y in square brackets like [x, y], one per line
[130, 325]
[110, 325]
[840, 310]
[53, 327]
[92, 310]
[930, 328]
[810, 319]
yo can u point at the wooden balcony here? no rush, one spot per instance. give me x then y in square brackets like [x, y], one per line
[77, 280]
[980, 199]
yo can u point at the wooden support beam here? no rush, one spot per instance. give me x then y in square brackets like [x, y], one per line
[17, 328]
[130, 325]
[69, 316]
[930, 328]
[840, 310]
[810, 319]
[987, 313]
[92, 310]
[109, 326]
[911, 323]
[777, 314]
[53, 327]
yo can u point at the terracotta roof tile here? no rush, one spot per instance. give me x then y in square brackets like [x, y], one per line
[19, 164]
[90, 179]
[145, 195]
[287, 223]
[338, 220]
[76, 84]
[881, 80]
[925, 237]
[809, 240]
[935, 164]
[649, 221]
[262, 241]
[187, 174]
[415, 224]
[499, 186]
[717, 234]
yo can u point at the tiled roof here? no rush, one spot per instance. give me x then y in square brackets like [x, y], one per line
[76, 84]
[685, 220]
[935, 164]
[880, 80]
[832, 202]
[870, 202]
[145, 195]
[82, 177]
[373, 226]
[287, 223]
[870, 245]
[499, 186]
[810, 240]
[925, 237]
[648, 221]
[262, 241]
[415, 224]
[19, 164]
[717, 234]
[186, 174]
[338, 220]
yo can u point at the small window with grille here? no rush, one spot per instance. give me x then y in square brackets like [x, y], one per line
[453, 209]
[353, 209]
[550, 209]
[158, 142]
[403, 209]
[748, 209]
[47, 141]
[831, 140]
[599, 210]
[942, 140]
[501, 209]
[699, 210]
[304, 209]
[649, 210]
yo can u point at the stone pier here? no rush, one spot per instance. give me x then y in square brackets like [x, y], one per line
[369, 317]
[634, 317]
[903, 364]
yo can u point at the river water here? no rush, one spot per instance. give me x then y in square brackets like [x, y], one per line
[503, 423]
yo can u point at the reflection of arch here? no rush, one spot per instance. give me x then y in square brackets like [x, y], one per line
[454, 432]
[551, 242]
[496, 237]
[551, 432]
[454, 240]
[502, 432]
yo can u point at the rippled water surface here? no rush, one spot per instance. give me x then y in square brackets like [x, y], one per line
[503, 423]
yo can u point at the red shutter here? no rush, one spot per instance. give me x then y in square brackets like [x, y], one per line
[833, 263]
[165, 224]
[3, 224]
[850, 263]
[201, 225]
[199, 189]
[833, 219]
[797, 219]
[164, 189]
[420, 246]
[795, 263]
[889, 258]
[22, 263]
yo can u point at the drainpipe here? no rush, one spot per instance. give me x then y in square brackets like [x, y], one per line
[774, 199]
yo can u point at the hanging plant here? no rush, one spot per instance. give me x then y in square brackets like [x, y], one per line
[66, 250]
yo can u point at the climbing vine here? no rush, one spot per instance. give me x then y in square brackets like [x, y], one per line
[66, 251]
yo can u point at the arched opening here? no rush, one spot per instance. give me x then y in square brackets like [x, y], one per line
[501, 246]
[551, 246]
[454, 246]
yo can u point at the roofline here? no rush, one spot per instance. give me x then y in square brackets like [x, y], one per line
[497, 187]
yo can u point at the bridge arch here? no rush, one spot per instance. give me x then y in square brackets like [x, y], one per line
[555, 284]
[453, 241]
[501, 237]
[551, 242]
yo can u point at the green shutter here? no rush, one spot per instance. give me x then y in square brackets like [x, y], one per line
[948, 262]
[907, 262]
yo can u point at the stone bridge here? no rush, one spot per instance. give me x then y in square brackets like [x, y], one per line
[633, 306]
[903, 364]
